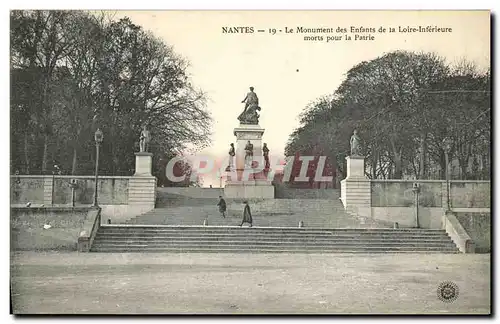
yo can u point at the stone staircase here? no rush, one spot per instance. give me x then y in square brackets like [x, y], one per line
[177, 225]
[324, 212]
[157, 238]
[316, 213]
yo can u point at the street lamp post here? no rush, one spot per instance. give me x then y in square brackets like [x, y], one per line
[54, 171]
[73, 186]
[416, 191]
[447, 149]
[98, 136]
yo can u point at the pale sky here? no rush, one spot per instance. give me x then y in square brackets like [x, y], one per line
[226, 65]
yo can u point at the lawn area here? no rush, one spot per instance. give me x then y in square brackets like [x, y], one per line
[192, 283]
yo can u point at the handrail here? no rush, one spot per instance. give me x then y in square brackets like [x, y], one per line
[95, 227]
[457, 233]
[87, 237]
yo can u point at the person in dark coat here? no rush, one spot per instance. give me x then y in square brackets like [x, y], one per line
[247, 215]
[222, 206]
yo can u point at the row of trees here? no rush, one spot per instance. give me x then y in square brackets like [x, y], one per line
[73, 72]
[404, 105]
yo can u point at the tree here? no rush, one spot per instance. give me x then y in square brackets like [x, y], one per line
[73, 72]
[403, 104]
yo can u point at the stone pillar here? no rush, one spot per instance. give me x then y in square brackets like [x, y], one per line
[356, 188]
[142, 185]
[143, 164]
[239, 184]
[355, 167]
[141, 191]
[48, 190]
[245, 133]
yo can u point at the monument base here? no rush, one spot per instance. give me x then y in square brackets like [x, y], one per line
[355, 167]
[143, 164]
[249, 189]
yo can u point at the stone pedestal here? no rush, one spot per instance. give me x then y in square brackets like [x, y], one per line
[249, 190]
[143, 164]
[142, 186]
[244, 181]
[355, 167]
[245, 133]
[356, 188]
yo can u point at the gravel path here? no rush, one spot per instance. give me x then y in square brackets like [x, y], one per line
[93, 283]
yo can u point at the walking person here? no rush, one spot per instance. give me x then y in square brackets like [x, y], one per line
[247, 215]
[222, 206]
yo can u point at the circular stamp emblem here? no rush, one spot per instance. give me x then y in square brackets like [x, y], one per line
[447, 291]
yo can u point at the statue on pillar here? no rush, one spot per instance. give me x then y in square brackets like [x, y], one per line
[144, 139]
[248, 154]
[265, 151]
[250, 115]
[355, 144]
[232, 153]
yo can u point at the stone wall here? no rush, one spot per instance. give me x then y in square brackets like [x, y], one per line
[28, 233]
[478, 226]
[193, 192]
[429, 217]
[120, 198]
[111, 191]
[394, 200]
[284, 192]
[27, 189]
[40, 190]
[399, 193]
[470, 194]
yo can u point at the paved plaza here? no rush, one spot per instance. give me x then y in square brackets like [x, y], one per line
[195, 283]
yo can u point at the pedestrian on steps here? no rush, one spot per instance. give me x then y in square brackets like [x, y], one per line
[247, 215]
[222, 206]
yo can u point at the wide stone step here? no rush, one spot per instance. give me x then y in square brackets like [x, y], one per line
[268, 239]
[292, 236]
[186, 232]
[272, 229]
[269, 243]
[215, 236]
[269, 249]
[164, 238]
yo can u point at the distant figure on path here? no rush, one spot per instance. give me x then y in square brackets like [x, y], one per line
[222, 206]
[247, 215]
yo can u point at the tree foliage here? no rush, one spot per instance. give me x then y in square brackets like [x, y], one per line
[73, 72]
[404, 105]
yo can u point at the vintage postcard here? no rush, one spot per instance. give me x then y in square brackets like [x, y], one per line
[250, 162]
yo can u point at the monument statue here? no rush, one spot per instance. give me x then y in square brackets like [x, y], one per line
[144, 139]
[248, 154]
[232, 153]
[355, 144]
[265, 151]
[250, 114]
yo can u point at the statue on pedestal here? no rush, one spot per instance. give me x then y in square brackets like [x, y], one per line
[232, 153]
[355, 144]
[248, 154]
[250, 115]
[144, 139]
[265, 151]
